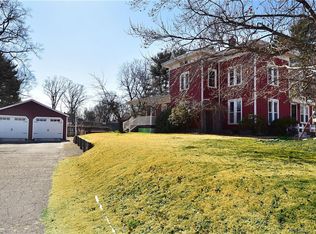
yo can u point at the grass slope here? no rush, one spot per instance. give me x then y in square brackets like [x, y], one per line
[151, 183]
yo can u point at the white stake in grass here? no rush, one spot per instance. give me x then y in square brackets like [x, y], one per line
[106, 218]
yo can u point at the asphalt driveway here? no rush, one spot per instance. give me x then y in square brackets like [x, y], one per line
[25, 181]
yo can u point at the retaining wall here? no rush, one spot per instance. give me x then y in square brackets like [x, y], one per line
[82, 143]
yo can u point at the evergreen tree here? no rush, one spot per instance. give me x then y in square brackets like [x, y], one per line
[160, 77]
[159, 74]
[9, 83]
[304, 32]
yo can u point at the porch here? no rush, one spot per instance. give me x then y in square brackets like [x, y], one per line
[147, 117]
[306, 129]
[137, 122]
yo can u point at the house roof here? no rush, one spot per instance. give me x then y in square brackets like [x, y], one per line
[153, 100]
[187, 56]
[211, 54]
[36, 102]
[208, 54]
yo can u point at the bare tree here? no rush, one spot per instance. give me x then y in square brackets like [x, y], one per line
[135, 81]
[102, 112]
[266, 27]
[73, 99]
[89, 115]
[111, 103]
[117, 107]
[55, 89]
[15, 40]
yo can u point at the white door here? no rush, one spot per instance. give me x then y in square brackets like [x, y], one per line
[47, 128]
[14, 127]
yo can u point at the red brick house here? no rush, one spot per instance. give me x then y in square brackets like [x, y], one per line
[238, 85]
[231, 86]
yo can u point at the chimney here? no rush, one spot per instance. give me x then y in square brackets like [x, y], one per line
[232, 42]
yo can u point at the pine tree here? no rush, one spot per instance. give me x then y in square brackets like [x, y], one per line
[159, 73]
[10, 85]
[160, 77]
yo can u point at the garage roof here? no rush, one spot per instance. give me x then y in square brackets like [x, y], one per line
[32, 100]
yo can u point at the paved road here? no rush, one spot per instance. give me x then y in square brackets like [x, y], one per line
[25, 181]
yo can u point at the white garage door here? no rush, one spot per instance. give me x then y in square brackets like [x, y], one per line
[47, 128]
[14, 127]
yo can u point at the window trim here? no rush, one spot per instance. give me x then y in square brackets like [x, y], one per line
[181, 75]
[273, 100]
[235, 111]
[277, 76]
[304, 113]
[291, 110]
[208, 78]
[235, 77]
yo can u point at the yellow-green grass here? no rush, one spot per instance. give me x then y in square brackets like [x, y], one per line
[155, 183]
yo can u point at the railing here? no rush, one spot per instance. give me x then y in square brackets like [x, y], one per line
[304, 128]
[126, 125]
[132, 123]
[83, 129]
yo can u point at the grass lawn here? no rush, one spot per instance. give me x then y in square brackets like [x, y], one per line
[152, 183]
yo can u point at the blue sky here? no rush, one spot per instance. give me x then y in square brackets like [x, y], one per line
[83, 37]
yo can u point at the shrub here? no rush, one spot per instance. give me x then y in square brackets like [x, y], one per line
[184, 114]
[281, 127]
[163, 124]
[254, 124]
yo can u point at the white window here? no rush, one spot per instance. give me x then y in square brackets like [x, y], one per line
[234, 111]
[212, 78]
[40, 120]
[234, 75]
[184, 81]
[273, 76]
[273, 110]
[19, 119]
[304, 113]
[294, 111]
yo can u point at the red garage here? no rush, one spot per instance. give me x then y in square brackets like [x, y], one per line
[32, 121]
